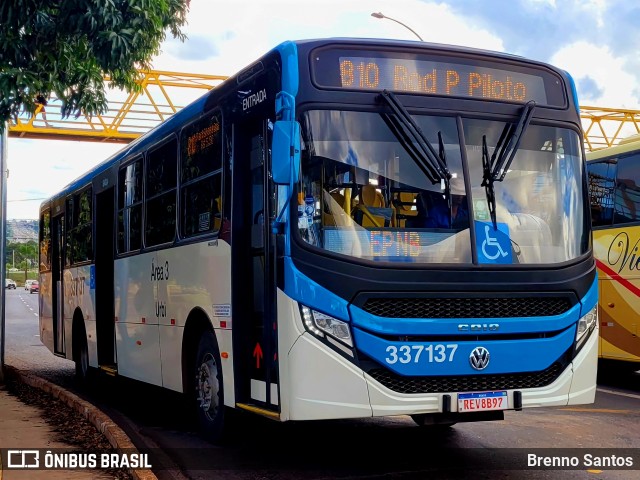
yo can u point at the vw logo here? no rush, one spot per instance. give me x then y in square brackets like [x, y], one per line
[479, 358]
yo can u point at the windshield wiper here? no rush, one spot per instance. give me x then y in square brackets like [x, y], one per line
[432, 163]
[487, 182]
[494, 169]
[509, 142]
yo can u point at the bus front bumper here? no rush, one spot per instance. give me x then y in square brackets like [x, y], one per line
[324, 385]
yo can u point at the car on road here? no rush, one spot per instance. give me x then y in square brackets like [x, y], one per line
[28, 283]
[34, 286]
[8, 283]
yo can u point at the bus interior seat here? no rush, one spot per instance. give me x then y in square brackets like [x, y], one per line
[333, 207]
[370, 197]
[338, 197]
[371, 210]
[405, 205]
[334, 213]
[328, 214]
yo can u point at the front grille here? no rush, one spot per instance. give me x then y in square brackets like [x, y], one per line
[468, 383]
[500, 307]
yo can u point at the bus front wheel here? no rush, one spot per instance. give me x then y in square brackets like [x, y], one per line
[209, 393]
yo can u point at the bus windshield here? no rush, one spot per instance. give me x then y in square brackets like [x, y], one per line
[363, 192]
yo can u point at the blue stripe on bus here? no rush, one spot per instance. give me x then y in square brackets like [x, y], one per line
[290, 76]
[304, 290]
[452, 358]
[590, 299]
[290, 82]
[574, 91]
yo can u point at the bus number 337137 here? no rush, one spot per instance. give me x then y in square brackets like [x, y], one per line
[437, 353]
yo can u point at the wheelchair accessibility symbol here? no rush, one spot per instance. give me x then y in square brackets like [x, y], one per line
[494, 246]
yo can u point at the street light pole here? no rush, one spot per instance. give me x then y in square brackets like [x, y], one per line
[3, 238]
[381, 15]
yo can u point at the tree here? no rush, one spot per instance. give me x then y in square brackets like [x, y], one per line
[65, 47]
[19, 252]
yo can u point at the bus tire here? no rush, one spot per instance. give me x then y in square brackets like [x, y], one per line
[208, 395]
[81, 354]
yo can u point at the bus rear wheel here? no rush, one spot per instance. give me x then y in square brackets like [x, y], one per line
[209, 393]
[81, 354]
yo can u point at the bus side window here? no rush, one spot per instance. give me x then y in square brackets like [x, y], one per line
[601, 191]
[45, 241]
[130, 207]
[160, 194]
[79, 228]
[201, 176]
[627, 193]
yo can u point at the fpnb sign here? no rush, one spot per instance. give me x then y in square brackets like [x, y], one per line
[23, 459]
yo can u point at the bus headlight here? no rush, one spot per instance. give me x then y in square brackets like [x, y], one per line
[585, 326]
[320, 323]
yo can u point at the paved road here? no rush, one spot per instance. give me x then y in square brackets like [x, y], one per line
[374, 448]
[23, 348]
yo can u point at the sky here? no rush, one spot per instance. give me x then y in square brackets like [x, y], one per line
[596, 41]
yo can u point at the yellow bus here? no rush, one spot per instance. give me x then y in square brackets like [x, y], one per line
[614, 188]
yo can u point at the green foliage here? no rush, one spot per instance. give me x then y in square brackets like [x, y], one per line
[23, 254]
[65, 47]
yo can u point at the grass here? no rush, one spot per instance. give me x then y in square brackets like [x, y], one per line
[18, 277]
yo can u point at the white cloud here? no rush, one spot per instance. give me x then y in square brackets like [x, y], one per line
[242, 38]
[229, 34]
[551, 3]
[39, 168]
[583, 59]
[237, 32]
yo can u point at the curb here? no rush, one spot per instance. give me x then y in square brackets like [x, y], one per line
[112, 432]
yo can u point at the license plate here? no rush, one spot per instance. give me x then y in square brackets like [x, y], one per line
[482, 401]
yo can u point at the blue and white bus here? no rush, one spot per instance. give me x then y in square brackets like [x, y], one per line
[346, 228]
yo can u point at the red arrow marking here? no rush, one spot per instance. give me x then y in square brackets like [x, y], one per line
[257, 353]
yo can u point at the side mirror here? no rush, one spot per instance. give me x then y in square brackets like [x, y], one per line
[285, 152]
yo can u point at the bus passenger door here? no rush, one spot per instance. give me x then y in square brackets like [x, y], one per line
[104, 292]
[57, 266]
[253, 271]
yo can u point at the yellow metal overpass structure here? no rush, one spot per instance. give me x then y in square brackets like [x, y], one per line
[129, 115]
[163, 93]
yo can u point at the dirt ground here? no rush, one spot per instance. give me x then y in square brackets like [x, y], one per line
[70, 427]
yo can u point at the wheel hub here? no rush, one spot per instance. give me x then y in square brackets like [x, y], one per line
[207, 385]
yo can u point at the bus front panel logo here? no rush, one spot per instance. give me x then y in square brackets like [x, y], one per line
[479, 358]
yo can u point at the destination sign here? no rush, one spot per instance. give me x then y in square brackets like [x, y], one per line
[438, 71]
[202, 139]
[389, 244]
[440, 78]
